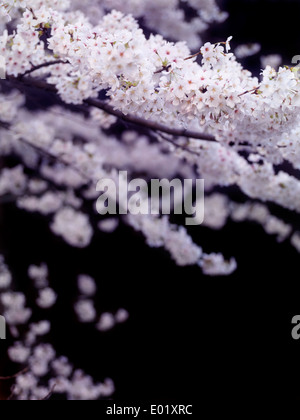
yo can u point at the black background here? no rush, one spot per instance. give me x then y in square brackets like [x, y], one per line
[187, 333]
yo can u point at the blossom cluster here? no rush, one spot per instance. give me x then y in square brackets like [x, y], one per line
[220, 209]
[152, 78]
[234, 106]
[160, 15]
[85, 307]
[46, 372]
[73, 178]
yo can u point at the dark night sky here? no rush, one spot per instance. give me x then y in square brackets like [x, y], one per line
[186, 331]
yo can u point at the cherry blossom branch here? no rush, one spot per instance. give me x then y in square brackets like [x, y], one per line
[254, 90]
[43, 65]
[12, 392]
[48, 155]
[164, 68]
[55, 158]
[151, 125]
[168, 66]
[16, 375]
[190, 57]
[193, 56]
[178, 146]
[109, 109]
[50, 393]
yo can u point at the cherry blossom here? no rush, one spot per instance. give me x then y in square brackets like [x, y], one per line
[126, 92]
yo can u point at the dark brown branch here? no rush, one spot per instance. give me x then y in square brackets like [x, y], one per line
[255, 91]
[104, 106]
[168, 66]
[193, 56]
[151, 125]
[43, 65]
[164, 68]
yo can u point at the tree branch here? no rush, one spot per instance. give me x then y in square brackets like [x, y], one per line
[43, 65]
[178, 146]
[50, 393]
[109, 109]
[8, 378]
[48, 155]
[151, 125]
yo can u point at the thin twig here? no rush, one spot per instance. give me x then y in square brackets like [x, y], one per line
[254, 90]
[12, 391]
[193, 56]
[8, 378]
[50, 393]
[43, 65]
[178, 146]
[168, 66]
[48, 155]
[164, 68]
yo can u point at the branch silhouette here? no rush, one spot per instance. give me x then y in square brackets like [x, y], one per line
[16, 375]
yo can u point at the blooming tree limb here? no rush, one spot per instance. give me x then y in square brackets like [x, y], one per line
[211, 117]
[104, 106]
